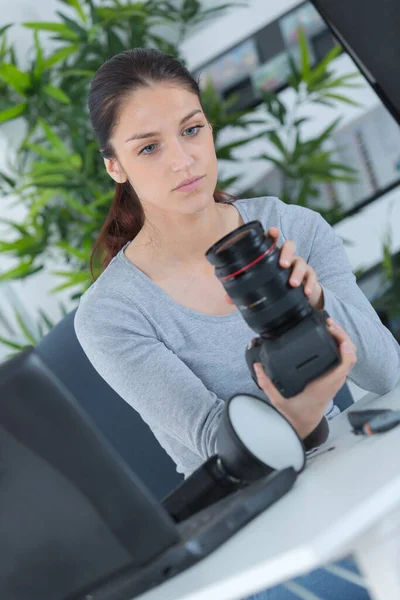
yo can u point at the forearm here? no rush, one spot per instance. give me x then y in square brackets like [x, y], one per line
[378, 364]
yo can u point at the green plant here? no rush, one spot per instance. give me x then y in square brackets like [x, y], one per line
[304, 163]
[387, 299]
[58, 174]
[26, 338]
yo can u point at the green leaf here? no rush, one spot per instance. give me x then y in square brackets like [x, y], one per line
[304, 55]
[73, 279]
[80, 31]
[40, 169]
[60, 28]
[42, 200]
[19, 228]
[78, 8]
[343, 81]
[28, 335]
[281, 165]
[324, 103]
[53, 138]
[278, 143]
[304, 193]
[61, 55]
[12, 113]
[17, 79]
[64, 310]
[53, 180]
[23, 270]
[341, 98]
[224, 152]
[44, 152]
[294, 78]
[274, 105]
[78, 206]
[7, 179]
[77, 73]
[320, 70]
[11, 344]
[4, 28]
[46, 320]
[108, 14]
[317, 142]
[80, 254]
[39, 67]
[56, 93]
[93, 12]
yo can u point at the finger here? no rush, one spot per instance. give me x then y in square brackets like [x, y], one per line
[274, 233]
[339, 333]
[266, 385]
[336, 377]
[348, 358]
[287, 254]
[299, 271]
[310, 282]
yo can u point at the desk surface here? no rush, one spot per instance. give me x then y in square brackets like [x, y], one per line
[339, 496]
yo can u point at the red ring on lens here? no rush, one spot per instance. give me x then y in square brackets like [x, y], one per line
[249, 265]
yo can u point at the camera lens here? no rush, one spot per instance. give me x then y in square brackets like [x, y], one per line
[246, 262]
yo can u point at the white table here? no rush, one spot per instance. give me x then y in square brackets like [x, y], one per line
[347, 500]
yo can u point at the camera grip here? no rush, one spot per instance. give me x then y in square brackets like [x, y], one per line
[253, 355]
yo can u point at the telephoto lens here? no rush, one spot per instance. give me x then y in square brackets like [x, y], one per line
[294, 345]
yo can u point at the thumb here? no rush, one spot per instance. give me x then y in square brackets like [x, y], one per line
[267, 386]
[228, 299]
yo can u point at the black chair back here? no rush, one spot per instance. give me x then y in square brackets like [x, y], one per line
[120, 423]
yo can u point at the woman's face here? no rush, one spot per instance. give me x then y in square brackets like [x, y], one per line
[161, 139]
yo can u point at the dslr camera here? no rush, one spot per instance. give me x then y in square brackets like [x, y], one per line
[294, 344]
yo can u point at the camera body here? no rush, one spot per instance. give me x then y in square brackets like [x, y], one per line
[300, 355]
[294, 345]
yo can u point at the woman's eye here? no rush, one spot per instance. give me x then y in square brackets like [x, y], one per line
[189, 132]
[192, 131]
[148, 149]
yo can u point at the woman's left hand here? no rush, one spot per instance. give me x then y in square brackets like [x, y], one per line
[302, 273]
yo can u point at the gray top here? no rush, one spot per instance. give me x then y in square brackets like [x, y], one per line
[177, 366]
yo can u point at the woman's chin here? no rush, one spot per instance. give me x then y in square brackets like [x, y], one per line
[196, 201]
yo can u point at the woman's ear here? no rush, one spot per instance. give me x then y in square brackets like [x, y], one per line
[114, 170]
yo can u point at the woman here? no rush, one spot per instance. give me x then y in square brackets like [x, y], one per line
[157, 324]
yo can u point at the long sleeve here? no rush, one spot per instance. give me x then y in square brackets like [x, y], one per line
[378, 365]
[123, 347]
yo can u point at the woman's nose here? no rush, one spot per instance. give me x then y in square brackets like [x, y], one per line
[181, 160]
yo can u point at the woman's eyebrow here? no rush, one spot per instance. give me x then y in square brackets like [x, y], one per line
[141, 136]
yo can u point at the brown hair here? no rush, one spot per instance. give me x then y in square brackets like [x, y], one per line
[114, 81]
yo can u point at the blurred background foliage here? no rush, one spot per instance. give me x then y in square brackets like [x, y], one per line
[57, 173]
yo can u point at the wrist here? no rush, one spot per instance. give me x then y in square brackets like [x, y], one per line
[317, 436]
[318, 300]
[306, 427]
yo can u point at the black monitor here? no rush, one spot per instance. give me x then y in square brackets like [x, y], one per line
[71, 511]
[369, 30]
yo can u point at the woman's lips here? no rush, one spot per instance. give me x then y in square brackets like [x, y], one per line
[188, 187]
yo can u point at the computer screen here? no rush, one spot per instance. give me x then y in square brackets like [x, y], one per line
[369, 31]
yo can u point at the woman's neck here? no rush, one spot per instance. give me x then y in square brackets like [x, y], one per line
[182, 243]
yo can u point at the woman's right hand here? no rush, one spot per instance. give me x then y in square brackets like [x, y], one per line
[306, 410]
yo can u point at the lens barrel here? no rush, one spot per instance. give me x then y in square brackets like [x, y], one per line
[246, 262]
